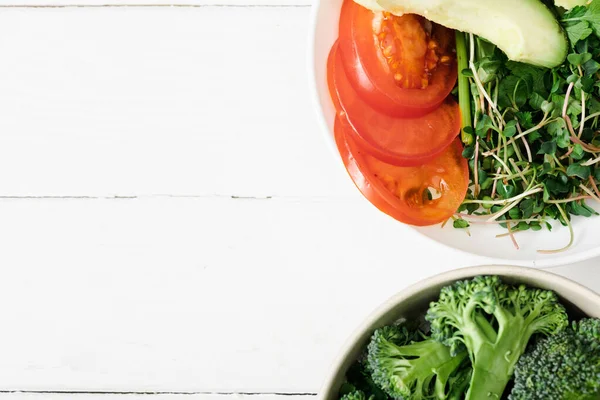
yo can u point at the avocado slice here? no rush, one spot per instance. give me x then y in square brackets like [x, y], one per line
[526, 30]
[568, 4]
[373, 6]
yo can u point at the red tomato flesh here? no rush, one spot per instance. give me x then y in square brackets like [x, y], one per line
[424, 195]
[403, 66]
[398, 141]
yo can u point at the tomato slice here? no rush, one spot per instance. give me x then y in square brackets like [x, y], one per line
[424, 195]
[403, 66]
[398, 141]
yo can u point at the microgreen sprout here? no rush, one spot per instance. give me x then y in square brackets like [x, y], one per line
[533, 134]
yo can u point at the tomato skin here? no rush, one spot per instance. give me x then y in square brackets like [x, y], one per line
[371, 77]
[397, 141]
[393, 189]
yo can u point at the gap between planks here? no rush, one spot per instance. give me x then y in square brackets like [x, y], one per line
[154, 5]
[154, 393]
[52, 395]
[183, 196]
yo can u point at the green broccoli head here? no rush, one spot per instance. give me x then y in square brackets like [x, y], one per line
[565, 366]
[494, 321]
[407, 365]
[463, 299]
[358, 378]
[356, 395]
[589, 327]
[540, 309]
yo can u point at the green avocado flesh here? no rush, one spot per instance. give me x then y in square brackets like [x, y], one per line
[568, 4]
[526, 30]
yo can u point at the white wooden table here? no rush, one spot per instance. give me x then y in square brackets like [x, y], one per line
[172, 225]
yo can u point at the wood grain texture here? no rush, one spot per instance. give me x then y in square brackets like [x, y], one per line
[187, 229]
[146, 396]
[201, 295]
[155, 3]
[144, 101]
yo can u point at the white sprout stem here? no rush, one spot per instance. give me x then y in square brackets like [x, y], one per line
[529, 157]
[566, 104]
[503, 235]
[499, 177]
[476, 103]
[502, 163]
[582, 106]
[570, 200]
[519, 172]
[476, 77]
[504, 210]
[512, 236]
[496, 92]
[505, 147]
[496, 182]
[594, 186]
[534, 190]
[476, 167]
[496, 116]
[582, 114]
[567, 154]
[591, 162]
[558, 161]
[571, 234]
[471, 62]
[539, 126]
[586, 147]
[518, 151]
[588, 191]
[591, 116]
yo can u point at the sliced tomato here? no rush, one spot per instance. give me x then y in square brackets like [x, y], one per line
[402, 66]
[424, 195]
[398, 141]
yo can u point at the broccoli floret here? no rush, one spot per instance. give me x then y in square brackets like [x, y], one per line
[356, 395]
[358, 378]
[565, 366]
[409, 366]
[589, 327]
[494, 322]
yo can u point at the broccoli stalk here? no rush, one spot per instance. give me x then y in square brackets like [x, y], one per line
[460, 383]
[494, 322]
[409, 366]
[565, 366]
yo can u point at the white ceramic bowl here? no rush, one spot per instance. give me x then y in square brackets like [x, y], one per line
[414, 300]
[483, 241]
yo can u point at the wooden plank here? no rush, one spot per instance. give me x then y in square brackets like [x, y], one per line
[153, 3]
[135, 396]
[198, 295]
[144, 101]
[206, 293]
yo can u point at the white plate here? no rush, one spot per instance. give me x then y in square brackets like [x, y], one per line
[483, 241]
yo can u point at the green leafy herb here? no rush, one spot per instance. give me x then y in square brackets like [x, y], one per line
[580, 171]
[461, 224]
[534, 163]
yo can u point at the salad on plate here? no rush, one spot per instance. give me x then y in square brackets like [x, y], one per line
[471, 111]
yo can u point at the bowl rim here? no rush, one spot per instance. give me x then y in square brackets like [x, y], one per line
[548, 278]
[539, 263]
